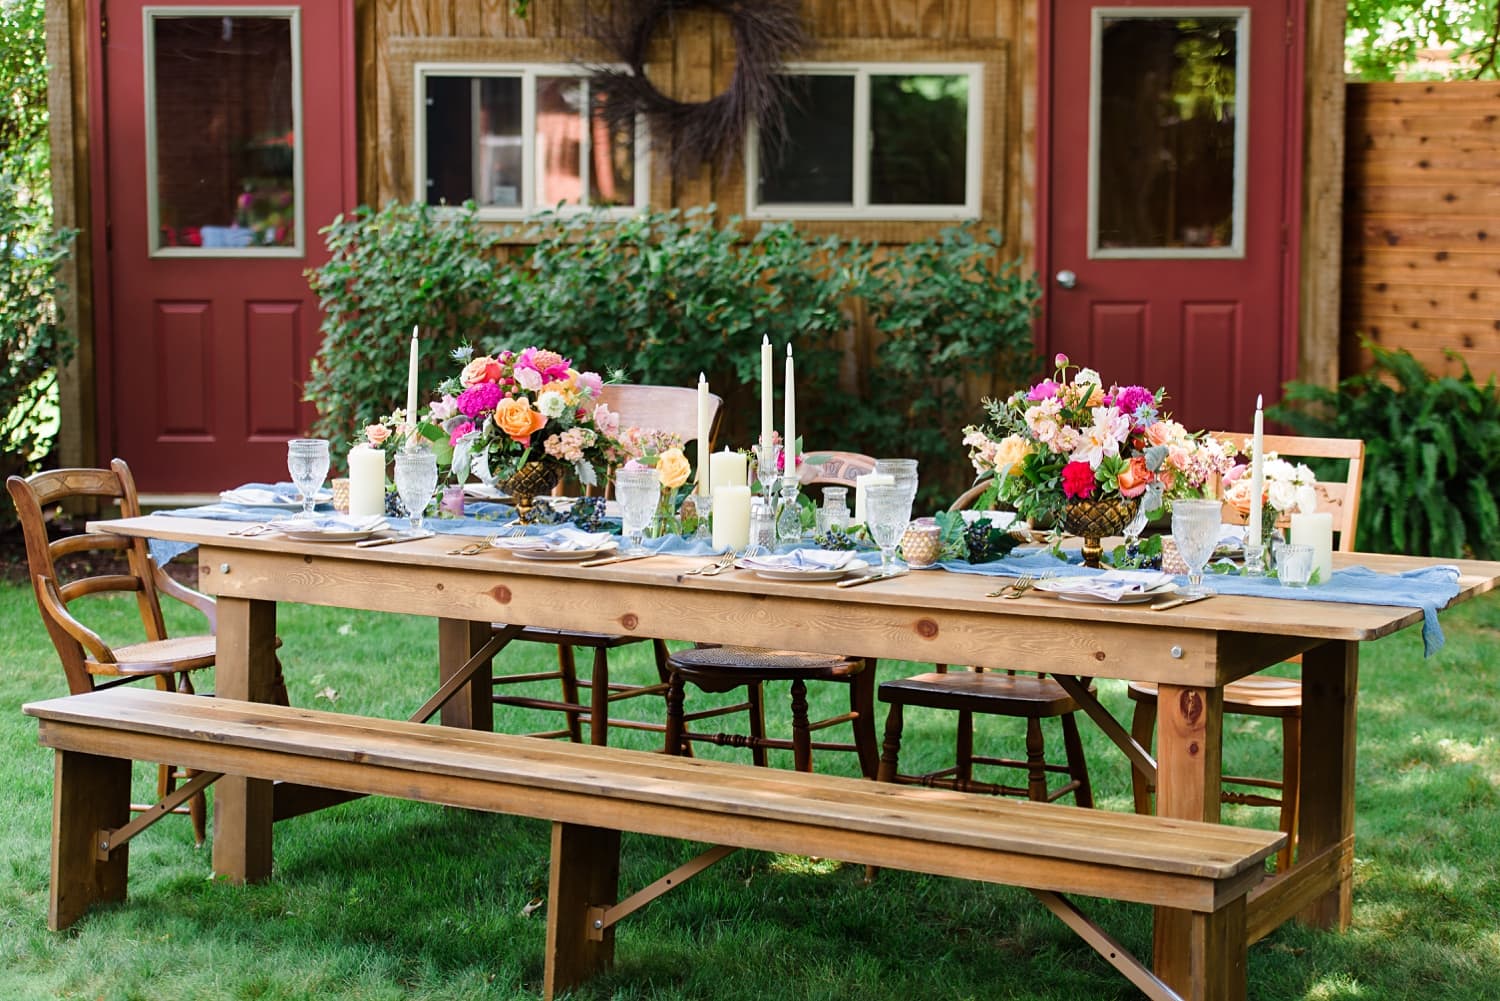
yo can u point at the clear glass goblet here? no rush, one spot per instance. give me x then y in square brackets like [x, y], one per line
[767, 471]
[1196, 525]
[416, 481]
[639, 492]
[903, 471]
[307, 462]
[887, 511]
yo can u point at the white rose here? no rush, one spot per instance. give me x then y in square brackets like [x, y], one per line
[1307, 497]
[1086, 375]
[551, 404]
[1281, 494]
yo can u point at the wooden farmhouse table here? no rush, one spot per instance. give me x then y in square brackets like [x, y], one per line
[1190, 651]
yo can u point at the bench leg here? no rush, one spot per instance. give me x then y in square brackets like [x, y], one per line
[1218, 950]
[585, 874]
[89, 793]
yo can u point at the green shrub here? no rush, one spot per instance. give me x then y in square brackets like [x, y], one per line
[390, 270]
[662, 296]
[1432, 453]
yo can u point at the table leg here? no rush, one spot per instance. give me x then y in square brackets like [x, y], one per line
[1189, 742]
[245, 668]
[1330, 682]
[470, 707]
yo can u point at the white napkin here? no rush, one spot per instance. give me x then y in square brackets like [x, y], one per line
[800, 559]
[1112, 585]
[332, 523]
[281, 495]
[562, 540]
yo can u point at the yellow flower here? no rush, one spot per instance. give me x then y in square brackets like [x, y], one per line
[673, 468]
[1009, 452]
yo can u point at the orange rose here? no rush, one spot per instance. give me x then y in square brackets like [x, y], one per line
[514, 416]
[673, 468]
[1134, 477]
[483, 369]
[376, 434]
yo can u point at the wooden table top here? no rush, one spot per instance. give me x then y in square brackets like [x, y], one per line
[916, 591]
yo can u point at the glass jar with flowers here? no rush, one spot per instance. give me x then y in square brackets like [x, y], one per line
[663, 451]
[521, 419]
[1085, 460]
[1286, 487]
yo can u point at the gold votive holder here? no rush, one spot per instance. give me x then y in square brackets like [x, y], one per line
[341, 495]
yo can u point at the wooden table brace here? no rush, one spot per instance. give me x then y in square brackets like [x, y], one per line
[1140, 758]
[1100, 941]
[600, 919]
[110, 839]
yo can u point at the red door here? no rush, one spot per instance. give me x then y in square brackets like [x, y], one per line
[1171, 184]
[229, 141]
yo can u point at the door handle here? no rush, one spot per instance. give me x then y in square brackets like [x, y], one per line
[1066, 278]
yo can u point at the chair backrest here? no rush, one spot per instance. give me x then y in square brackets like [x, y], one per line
[834, 469]
[1339, 499]
[673, 409]
[75, 642]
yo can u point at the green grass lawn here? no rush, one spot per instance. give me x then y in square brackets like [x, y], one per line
[384, 899]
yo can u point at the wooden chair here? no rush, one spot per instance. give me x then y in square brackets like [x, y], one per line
[1264, 695]
[727, 668]
[86, 657]
[672, 409]
[975, 691]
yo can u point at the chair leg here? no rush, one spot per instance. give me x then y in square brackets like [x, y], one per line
[1291, 792]
[279, 694]
[890, 748]
[1036, 774]
[1142, 730]
[756, 696]
[568, 665]
[963, 750]
[1078, 767]
[862, 704]
[801, 736]
[599, 699]
[672, 741]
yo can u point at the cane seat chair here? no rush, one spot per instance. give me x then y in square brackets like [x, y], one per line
[722, 669]
[672, 409]
[1267, 696]
[68, 569]
[974, 692]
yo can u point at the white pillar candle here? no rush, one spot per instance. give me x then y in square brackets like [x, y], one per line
[728, 469]
[1257, 478]
[860, 485]
[765, 389]
[731, 515]
[366, 481]
[411, 381]
[705, 478]
[1316, 529]
[789, 447]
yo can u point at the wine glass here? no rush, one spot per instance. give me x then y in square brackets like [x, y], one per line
[639, 491]
[887, 510]
[767, 459]
[307, 462]
[416, 480]
[903, 471]
[1195, 529]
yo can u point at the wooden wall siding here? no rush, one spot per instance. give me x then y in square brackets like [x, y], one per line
[696, 61]
[1422, 222]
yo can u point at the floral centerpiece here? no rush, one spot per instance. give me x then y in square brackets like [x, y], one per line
[1285, 487]
[521, 418]
[1071, 453]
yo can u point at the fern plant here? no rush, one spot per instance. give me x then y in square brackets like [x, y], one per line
[1432, 453]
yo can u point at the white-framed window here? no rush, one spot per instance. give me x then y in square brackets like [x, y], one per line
[518, 139]
[872, 141]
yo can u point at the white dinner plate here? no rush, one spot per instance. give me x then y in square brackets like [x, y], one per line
[1129, 598]
[329, 534]
[802, 575]
[562, 554]
[321, 497]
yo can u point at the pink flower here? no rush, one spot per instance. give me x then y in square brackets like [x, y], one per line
[376, 434]
[1078, 479]
[592, 382]
[460, 431]
[479, 398]
[606, 420]
[1130, 399]
[528, 378]
[479, 370]
[1044, 390]
[550, 365]
[443, 409]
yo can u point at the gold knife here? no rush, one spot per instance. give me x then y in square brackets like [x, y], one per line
[1174, 602]
[607, 560]
[391, 540]
[871, 578]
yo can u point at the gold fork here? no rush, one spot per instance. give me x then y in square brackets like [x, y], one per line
[1015, 588]
[716, 566]
[251, 531]
[474, 548]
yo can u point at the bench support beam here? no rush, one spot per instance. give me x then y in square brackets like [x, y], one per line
[111, 840]
[601, 919]
[1101, 942]
[585, 876]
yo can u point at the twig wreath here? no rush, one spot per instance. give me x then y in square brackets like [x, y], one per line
[765, 33]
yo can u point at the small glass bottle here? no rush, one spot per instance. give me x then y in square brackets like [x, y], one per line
[762, 525]
[789, 519]
[835, 510]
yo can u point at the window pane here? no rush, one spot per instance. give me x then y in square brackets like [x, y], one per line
[1167, 132]
[612, 164]
[474, 140]
[919, 147]
[815, 161]
[559, 135]
[224, 143]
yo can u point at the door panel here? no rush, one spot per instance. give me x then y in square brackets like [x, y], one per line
[229, 138]
[1172, 144]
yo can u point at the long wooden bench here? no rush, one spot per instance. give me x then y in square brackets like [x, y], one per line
[591, 794]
